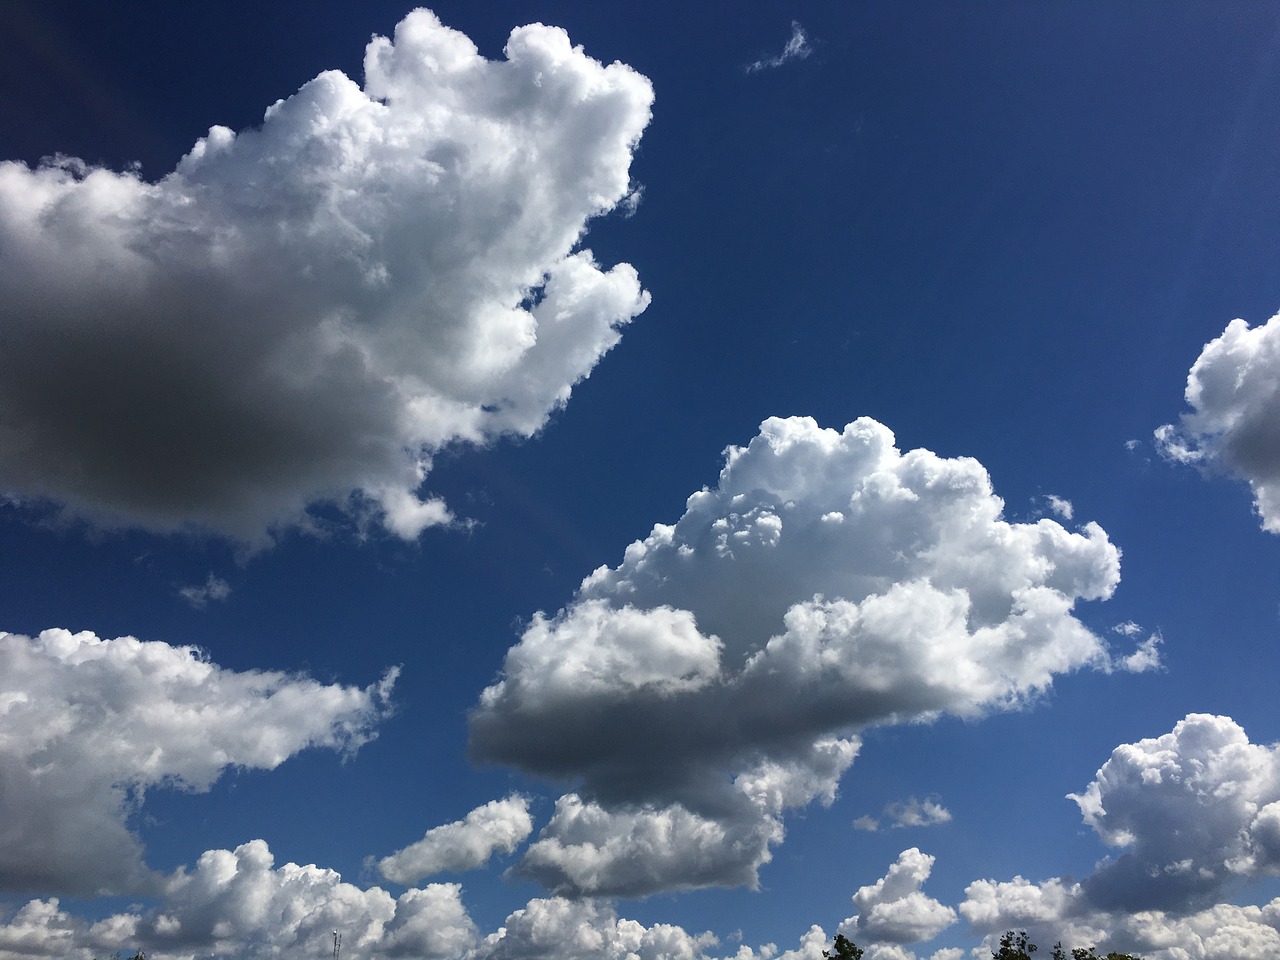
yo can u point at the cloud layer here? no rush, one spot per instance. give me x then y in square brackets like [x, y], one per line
[1234, 391]
[87, 725]
[719, 674]
[310, 308]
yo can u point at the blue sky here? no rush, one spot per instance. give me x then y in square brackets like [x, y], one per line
[332, 413]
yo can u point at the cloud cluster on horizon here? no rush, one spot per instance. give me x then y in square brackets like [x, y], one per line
[1234, 391]
[90, 724]
[1198, 812]
[719, 675]
[307, 310]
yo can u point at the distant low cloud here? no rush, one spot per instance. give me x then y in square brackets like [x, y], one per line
[1234, 391]
[308, 310]
[719, 675]
[894, 910]
[199, 595]
[497, 827]
[237, 903]
[797, 48]
[1197, 811]
[88, 725]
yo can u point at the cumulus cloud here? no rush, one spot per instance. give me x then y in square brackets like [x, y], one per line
[498, 826]
[797, 48]
[894, 910]
[307, 310]
[1234, 391]
[238, 903]
[559, 929]
[1198, 810]
[88, 725]
[719, 674]
[199, 595]
[1057, 910]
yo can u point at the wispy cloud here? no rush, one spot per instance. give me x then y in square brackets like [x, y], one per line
[797, 48]
[199, 594]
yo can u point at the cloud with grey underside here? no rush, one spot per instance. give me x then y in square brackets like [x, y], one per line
[308, 310]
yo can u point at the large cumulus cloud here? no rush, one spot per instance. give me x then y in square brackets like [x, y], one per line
[87, 725]
[1234, 391]
[314, 306]
[719, 674]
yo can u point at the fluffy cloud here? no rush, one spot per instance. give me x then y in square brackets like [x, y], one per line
[87, 725]
[1055, 910]
[1199, 811]
[466, 844]
[893, 909]
[559, 929]
[1234, 390]
[1198, 808]
[237, 903]
[717, 675]
[314, 306]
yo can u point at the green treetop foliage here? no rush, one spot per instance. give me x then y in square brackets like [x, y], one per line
[1016, 945]
[845, 949]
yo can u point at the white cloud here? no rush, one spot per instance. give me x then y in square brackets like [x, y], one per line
[1234, 391]
[237, 903]
[1198, 810]
[313, 307]
[710, 675]
[866, 822]
[1054, 910]
[559, 929]
[87, 725]
[1060, 506]
[199, 595]
[797, 48]
[498, 826]
[894, 910]
[917, 813]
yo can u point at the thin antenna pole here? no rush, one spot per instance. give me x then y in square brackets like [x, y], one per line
[337, 944]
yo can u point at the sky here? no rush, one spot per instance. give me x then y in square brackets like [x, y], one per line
[674, 482]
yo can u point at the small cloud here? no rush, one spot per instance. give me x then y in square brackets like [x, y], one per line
[199, 595]
[1060, 506]
[797, 48]
[1132, 445]
[1127, 629]
[1146, 657]
[917, 813]
[630, 203]
[869, 824]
